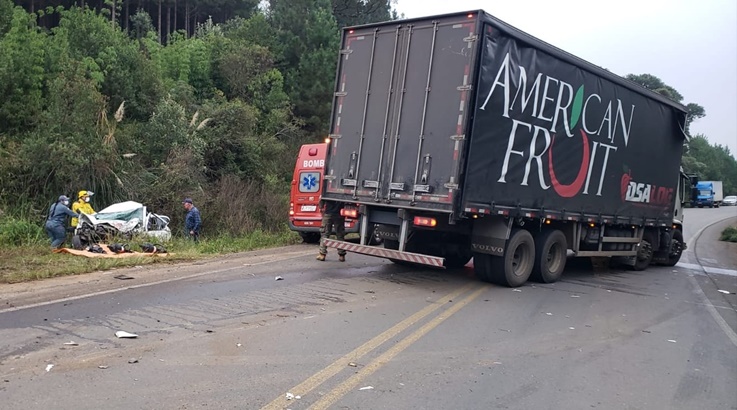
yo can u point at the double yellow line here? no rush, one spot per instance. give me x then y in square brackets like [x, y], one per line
[331, 370]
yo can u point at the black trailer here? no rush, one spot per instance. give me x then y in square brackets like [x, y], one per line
[459, 136]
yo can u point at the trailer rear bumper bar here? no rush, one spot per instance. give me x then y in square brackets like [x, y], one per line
[428, 260]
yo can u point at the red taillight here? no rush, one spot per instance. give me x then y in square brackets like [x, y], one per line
[312, 152]
[291, 208]
[349, 213]
[470, 16]
[425, 221]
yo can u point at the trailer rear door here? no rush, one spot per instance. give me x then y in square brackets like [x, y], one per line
[400, 110]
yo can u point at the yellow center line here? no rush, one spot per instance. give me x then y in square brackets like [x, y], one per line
[331, 370]
[341, 390]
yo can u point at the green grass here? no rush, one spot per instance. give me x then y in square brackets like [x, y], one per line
[30, 258]
[729, 234]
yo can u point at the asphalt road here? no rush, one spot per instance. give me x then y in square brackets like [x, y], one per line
[368, 334]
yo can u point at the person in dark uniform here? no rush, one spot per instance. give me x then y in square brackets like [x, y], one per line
[332, 220]
[56, 221]
[193, 221]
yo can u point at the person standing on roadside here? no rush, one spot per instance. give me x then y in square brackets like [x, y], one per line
[82, 205]
[192, 222]
[56, 221]
[331, 220]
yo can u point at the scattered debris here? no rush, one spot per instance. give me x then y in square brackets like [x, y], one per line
[132, 360]
[290, 396]
[505, 330]
[575, 296]
[124, 334]
[572, 328]
[671, 340]
[549, 314]
[102, 367]
[352, 364]
[278, 278]
[497, 363]
[726, 292]
[71, 344]
[297, 397]
[367, 388]
[516, 290]
[369, 291]
[123, 277]
[49, 367]
[239, 345]
[209, 331]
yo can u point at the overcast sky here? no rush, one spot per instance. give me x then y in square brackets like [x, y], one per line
[690, 44]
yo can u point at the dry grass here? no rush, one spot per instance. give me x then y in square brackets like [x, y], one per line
[34, 262]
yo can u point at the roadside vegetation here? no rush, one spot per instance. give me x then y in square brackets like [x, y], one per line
[729, 234]
[25, 254]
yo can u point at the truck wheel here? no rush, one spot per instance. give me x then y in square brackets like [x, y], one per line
[458, 257]
[644, 253]
[514, 268]
[676, 249]
[310, 237]
[482, 266]
[550, 256]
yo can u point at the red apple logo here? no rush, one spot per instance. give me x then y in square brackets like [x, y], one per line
[625, 183]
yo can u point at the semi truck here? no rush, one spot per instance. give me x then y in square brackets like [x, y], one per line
[460, 137]
[708, 194]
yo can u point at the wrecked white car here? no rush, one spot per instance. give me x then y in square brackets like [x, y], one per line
[121, 220]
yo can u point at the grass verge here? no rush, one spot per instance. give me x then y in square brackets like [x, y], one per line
[34, 261]
[729, 234]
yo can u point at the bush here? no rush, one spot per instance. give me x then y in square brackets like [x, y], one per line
[729, 234]
[20, 232]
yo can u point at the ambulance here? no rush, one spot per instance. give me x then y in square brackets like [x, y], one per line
[304, 202]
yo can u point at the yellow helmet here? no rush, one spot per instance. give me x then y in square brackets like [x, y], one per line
[85, 193]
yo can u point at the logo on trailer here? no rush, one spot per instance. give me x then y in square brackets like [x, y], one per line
[644, 193]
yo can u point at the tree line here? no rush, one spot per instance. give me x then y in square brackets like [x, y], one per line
[93, 96]
[707, 161]
[126, 99]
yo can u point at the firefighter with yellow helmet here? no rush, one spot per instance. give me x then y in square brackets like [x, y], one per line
[82, 205]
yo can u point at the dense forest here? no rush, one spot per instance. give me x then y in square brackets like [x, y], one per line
[156, 100]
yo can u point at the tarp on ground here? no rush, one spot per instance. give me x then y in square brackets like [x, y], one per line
[108, 254]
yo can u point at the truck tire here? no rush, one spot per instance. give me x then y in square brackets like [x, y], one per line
[676, 249]
[310, 237]
[458, 257]
[482, 266]
[514, 268]
[550, 256]
[644, 253]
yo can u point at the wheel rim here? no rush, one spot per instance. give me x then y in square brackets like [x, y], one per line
[676, 249]
[553, 257]
[520, 259]
[645, 252]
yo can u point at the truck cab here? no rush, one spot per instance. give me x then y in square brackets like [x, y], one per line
[704, 194]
